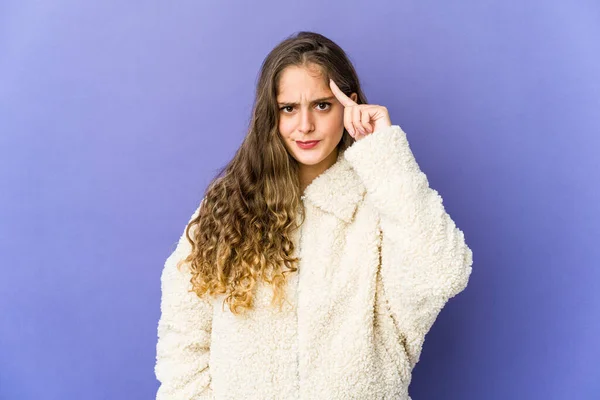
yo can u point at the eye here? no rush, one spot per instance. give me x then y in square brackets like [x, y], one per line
[285, 107]
[326, 104]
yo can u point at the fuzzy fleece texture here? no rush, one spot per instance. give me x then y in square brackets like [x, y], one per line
[380, 257]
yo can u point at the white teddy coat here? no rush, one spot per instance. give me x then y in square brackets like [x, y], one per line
[380, 257]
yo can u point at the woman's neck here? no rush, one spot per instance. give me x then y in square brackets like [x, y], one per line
[307, 173]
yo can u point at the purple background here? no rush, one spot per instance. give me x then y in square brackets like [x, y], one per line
[115, 115]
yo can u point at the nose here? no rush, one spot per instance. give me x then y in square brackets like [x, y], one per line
[306, 124]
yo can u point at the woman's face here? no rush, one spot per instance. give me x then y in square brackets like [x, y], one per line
[308, 111]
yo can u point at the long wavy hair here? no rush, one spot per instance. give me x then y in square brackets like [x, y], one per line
[243, 229]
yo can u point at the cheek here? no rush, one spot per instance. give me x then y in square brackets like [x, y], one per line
[334, 123]
[285, 127]
[340, 117]
[334, 119]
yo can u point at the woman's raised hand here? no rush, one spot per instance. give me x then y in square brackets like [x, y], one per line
[361, 120]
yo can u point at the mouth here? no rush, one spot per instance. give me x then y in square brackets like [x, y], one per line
[307, 145]
[308, 142]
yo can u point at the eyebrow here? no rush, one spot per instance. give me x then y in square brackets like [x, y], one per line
[321, 100]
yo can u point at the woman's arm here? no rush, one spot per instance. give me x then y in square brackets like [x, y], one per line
[184, 329]
[424, 258]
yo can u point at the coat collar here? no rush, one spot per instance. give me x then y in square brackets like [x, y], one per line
[337, 190]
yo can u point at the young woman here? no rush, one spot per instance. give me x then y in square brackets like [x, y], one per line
[318, 259]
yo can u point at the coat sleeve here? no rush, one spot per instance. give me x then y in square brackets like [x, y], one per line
[424, 258]
[184, 330]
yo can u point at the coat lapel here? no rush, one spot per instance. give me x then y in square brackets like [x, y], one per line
[337, 190]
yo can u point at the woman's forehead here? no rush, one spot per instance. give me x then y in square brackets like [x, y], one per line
[297, 82]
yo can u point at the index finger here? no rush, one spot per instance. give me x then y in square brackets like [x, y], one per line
[345, 100]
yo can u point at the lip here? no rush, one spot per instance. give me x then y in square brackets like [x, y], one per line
[307, 145]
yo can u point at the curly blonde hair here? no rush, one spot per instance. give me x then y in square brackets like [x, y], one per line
[243, 230]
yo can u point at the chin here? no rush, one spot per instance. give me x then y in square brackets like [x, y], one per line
[309, 160]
